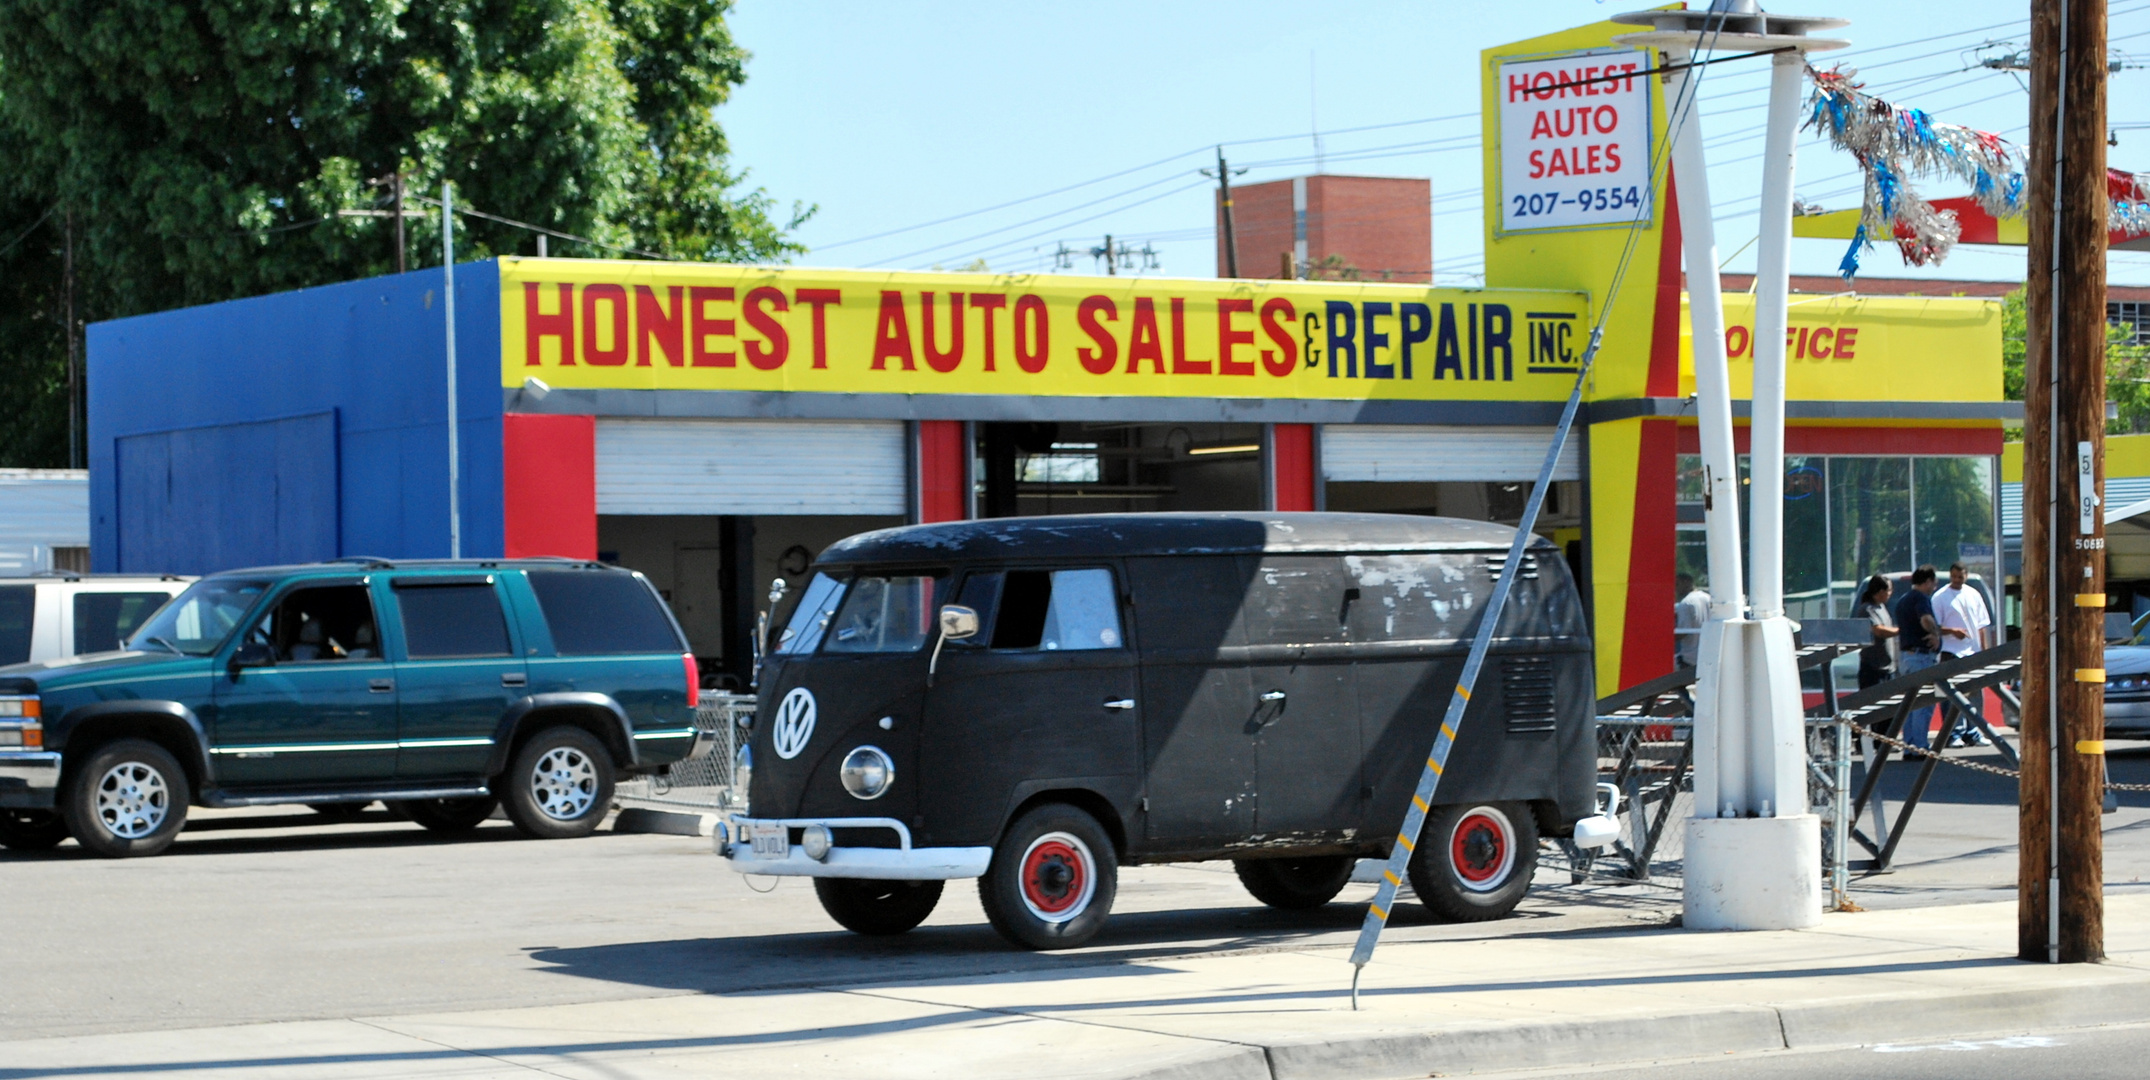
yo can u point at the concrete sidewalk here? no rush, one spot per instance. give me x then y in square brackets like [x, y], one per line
[1427, 1007]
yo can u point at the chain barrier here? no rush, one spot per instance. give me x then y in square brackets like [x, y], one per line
[1909, 751]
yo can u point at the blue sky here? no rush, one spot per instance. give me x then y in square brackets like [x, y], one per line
[894, 116]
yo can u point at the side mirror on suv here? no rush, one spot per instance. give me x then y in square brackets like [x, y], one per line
[253, 654]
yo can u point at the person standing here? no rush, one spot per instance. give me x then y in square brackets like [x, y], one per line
[1688, 615]
[1960, 613]
[1877, 662]
[1918, 644]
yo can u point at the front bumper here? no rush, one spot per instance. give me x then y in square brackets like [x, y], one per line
[29, 779]
[2127, 718]
[900, 863]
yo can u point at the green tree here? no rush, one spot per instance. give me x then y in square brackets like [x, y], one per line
[2127, 369]
[205, 150]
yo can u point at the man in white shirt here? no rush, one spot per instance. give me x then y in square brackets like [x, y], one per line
[1688, 614]
[1960, 615]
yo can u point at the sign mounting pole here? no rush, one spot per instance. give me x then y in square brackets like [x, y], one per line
[455, 463]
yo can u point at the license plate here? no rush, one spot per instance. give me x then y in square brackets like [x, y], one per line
[770, 841]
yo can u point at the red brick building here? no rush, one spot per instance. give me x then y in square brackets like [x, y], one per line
[1372, 228]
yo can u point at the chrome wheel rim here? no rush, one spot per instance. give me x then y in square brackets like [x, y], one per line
[132, 800]
[564, 783]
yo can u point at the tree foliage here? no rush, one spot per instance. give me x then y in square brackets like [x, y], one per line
[211, 149]
[2127, 369]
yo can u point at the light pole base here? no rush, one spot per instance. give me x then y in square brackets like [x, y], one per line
[1753, 873]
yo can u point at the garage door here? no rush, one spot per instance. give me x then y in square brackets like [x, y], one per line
[1409, 453]
[750, 467]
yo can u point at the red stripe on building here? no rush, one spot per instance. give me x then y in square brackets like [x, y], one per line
[943, 470]
[1866, 441]
[1664, 377]
[1291, 460]
[549, 485]
[1646, 652]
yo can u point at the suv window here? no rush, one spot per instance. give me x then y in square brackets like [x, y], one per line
[321, 624]
[18, 606]
[1047, 610]
[201, 618]
[884, 615]
[104, 619]
[593, 613]
[442, 622]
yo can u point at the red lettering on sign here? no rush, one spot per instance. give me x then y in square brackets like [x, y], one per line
[1846, 339]
[1537, 164]
[652, 323]
[1228, 338]
[614, 353]
[935, 358]
[700, 326]
[892, 334]
[1145, 342]
[537, 325]
[1181, 365]
[1284, 359]
[1802, 343]
[1612, 155]
[819, 299]
[1736, 340]
[773, 355]
[1031, 343]
[1819, 347]
[1098, 361]
[987, 303]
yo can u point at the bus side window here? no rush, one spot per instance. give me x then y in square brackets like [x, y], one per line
[1058, 610]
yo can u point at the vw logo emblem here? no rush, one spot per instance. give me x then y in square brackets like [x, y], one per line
[794, 723]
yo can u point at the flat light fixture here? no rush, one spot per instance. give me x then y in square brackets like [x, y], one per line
[1235, 448]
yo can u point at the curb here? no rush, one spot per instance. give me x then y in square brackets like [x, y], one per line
[637, 819]
[1643, 1037]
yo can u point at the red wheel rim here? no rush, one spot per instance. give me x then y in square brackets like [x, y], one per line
[1479, 849]
[1056, 877]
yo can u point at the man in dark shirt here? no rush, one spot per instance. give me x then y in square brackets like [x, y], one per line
[1921, 639]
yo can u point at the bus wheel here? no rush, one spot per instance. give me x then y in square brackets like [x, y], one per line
[877, 908]
[1295, 884]
[1052, 879]
[1474, 861]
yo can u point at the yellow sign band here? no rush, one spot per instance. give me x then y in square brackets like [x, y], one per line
[1448, 731]
[1462, 693]
[1421, 804]
[1393, 879]
[1378, 913]
[2090, 746]
[2090, 674]
[2090, 599]
[1406, 842]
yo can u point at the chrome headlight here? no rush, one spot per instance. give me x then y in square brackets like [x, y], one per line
[867, 772]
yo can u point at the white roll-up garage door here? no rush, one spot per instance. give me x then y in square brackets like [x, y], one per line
[751, 467]
[1403, 453]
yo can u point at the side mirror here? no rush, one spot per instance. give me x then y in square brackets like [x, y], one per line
[958, 622]
[253, 654]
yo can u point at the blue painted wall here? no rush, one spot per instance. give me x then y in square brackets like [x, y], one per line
[304, 425]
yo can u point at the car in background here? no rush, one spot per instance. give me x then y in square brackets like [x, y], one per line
[444, 688]
[53, 615]
[2127, 683]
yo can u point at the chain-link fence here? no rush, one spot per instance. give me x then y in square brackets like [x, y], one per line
[706, 782]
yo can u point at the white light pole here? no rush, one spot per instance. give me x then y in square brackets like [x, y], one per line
[455, 464]
[1753, 858]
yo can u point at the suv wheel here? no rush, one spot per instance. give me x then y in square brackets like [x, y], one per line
[31, 830]
[129, 798]
[1473, 862]
[1295, 884]
[449, 815]
[877, 908]
[1052, 879]
[560, 784]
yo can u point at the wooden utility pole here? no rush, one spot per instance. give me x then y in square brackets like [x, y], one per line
[1224, 202]
[2060, 887]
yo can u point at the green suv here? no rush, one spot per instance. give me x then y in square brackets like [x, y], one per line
[444, 688]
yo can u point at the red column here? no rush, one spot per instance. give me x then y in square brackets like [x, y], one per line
[1647, 651]
[1291, 466]
[943, 471]
[549, 496]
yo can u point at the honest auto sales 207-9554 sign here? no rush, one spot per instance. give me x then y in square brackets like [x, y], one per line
[1575, 145]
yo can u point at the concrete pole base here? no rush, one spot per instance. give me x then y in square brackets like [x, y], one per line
[1753, 873]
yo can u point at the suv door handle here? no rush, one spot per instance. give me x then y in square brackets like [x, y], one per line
[513, 678]
[1121, 703]
[1273, 695]
[381, 686]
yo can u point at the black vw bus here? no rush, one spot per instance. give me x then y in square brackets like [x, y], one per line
[1035, 702]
